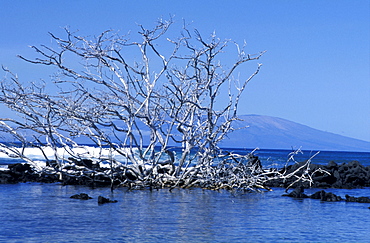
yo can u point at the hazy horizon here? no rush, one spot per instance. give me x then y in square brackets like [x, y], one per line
[275, 133]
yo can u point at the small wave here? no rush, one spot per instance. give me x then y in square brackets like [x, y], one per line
[49, 153]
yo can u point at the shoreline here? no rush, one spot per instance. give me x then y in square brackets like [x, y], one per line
[352, 175]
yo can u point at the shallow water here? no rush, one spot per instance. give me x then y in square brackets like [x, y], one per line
[46, 213]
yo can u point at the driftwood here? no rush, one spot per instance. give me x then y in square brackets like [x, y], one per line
[233, 172]
[135, 99]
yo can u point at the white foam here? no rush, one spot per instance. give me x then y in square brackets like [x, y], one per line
[88, 152]
[3, 168]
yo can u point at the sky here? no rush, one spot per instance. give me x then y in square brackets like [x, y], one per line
[316, 69]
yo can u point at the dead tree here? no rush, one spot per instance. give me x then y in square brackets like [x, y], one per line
[137, 98]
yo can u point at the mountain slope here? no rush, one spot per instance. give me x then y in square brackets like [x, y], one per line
[268, 132]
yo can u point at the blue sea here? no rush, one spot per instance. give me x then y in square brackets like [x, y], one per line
[34, 212]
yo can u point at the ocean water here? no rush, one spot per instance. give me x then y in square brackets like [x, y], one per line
[45, 213]
[268, 157]
[34, 212]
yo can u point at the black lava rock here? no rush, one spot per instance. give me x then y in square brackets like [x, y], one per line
[82, 196]
[88, 163]
[326, 196]
[102, 200]
[347, 175]
[297, 193]
[22, 172]
[357, 199]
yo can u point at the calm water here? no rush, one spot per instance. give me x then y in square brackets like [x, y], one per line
[45, 213]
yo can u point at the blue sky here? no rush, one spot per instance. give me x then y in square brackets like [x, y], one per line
[315, 71]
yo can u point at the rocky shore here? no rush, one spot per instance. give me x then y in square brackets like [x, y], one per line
[344, 176]
[347, 175]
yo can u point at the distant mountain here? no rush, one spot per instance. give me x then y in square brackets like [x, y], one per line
[266, 132]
